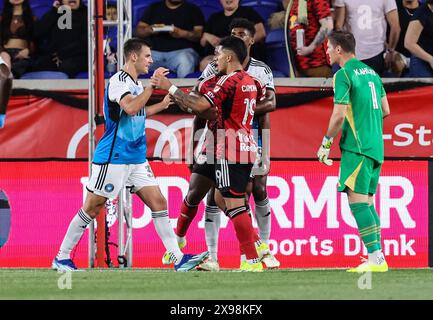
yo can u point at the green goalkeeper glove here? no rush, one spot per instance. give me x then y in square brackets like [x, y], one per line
[323, 152]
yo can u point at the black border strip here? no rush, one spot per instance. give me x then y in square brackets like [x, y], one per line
[430, 213]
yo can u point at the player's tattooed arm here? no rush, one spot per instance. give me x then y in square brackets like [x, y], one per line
[268, 104]
[188, 103]
[195, 104]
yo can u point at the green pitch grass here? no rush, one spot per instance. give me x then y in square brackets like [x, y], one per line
[149, 284]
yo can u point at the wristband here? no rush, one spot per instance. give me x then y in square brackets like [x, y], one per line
[172, 89]
[327, 142]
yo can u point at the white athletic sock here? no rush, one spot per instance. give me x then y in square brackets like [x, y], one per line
[212, 223]
[166, 234]
[179, 239]
[376, 257]
[263, 217]
[73, 235]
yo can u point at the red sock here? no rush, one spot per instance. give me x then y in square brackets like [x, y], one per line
[187, 214]
[255, 235]
[244, 233]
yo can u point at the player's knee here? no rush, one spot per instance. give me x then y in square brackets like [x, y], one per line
[158, 204]
[259, 192]
[249, 189]
[93, 210]
[194, 196]
[4, 73]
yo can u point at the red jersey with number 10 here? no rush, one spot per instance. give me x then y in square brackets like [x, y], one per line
[235, 95]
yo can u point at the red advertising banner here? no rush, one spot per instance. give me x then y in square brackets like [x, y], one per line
[43, 128]
[312, 226]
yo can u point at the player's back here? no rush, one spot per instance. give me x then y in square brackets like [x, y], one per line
[124, 139]
[363, 128]
[238, 113]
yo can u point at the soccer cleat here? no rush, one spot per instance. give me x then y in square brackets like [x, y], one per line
[209, 265]
[63, 265]
[166, 257]
[270, 261]
[266, 256]
[251, 267]
[190, 261]
[262, 250]
[367, 266]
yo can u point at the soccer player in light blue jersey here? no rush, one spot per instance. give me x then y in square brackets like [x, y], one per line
[120, 158]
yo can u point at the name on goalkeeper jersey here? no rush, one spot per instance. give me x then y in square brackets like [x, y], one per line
[364, 71]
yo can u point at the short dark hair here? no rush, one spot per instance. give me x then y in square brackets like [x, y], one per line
[236, 45]
[344, 39]
[134, 45]
[243, 23]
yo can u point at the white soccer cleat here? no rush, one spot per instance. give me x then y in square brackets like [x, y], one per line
[209, 265]
[270, 261]
[266, 256]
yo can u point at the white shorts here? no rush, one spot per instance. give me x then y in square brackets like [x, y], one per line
[108, 179]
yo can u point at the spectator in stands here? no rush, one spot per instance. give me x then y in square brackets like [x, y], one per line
[367, 20]
[62, 47]
[314, 17]
[5, 85]
[401, 61]
[277, 19]
[110, 36]
[217, 27]
[111, 31]
[16, 34]
[419, 41]
[173, 48]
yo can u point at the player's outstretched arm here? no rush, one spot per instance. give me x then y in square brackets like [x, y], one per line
[132, 104]
[158, 107]
[188, 103]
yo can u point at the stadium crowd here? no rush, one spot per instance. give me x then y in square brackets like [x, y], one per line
[394, 37]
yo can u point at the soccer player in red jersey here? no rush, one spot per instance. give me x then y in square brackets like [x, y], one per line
[234, 96]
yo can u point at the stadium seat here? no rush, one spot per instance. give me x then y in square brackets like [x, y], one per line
[263, 7]
[276, 54]
[275, 36]
[40, 7]
[194, 75]
[278, 74]
[208, 7]
[85, 75]
[82, 75]
[45, 75]
[147, 76]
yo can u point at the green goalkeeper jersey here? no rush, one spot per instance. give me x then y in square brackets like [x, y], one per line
[360, 88]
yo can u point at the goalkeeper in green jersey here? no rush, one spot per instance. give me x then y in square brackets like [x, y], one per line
[360, 104]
